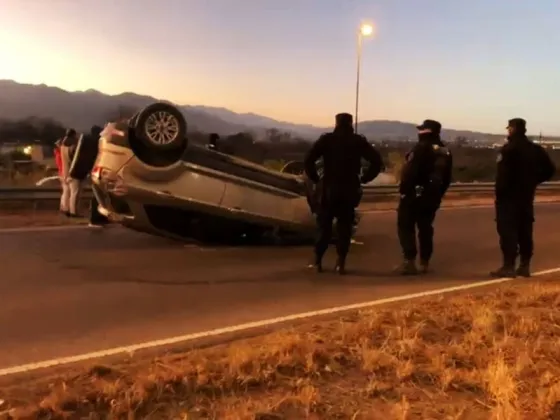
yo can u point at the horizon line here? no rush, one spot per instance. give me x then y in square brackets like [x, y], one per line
[241, 113]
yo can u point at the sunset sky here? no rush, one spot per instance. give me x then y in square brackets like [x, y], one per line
[470, 64]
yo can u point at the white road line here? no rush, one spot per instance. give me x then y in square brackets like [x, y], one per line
[250, 325]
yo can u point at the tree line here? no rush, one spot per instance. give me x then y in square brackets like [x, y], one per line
[31, 129]
[469, 163]
[275, 147]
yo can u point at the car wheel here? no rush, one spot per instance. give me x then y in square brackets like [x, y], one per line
[132, 121]
[293, 167]
[160, 127]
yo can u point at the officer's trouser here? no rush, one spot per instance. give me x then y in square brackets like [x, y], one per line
[412, 213]
[336, 202]
[514, 223]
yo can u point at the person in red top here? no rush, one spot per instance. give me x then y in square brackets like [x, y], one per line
[58, 161]
[70, 186]
[58, 157]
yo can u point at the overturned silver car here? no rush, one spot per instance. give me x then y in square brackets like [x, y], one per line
[149, 178]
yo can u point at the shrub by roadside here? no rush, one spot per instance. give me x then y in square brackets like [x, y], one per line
[493, 354]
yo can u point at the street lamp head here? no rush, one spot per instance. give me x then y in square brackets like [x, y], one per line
[366, 29]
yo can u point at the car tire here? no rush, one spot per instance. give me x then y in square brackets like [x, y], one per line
[160, 127]
[132, 121]
[146, 147]
[293, 167]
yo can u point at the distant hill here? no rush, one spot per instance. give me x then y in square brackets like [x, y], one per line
[81, 110]
[254, 120]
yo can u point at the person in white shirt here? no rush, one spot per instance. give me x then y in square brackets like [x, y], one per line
[71, 187]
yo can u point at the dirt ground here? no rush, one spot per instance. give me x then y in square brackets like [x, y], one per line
[493, 354]
[36, 218]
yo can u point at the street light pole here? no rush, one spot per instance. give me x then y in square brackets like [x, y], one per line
[358, 66]
[364, 31]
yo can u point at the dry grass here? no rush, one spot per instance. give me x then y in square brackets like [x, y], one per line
[493, 355]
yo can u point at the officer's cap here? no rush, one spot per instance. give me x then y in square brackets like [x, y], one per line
[431, 125]
[344, 119]
[517, 123]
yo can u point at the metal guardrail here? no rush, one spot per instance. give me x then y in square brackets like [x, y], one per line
[461, 188]
[35, 194]
[47, 194]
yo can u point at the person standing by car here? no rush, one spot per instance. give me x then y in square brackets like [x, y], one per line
[67, 150]
[339, 192]
[521, 166]
[64, 196]
[425, 178]
[96, 219]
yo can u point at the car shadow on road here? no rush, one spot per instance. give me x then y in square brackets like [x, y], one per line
[292, 275]
[295, 276]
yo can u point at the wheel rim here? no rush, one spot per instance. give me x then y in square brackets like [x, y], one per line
[293, 168]
[162, 128]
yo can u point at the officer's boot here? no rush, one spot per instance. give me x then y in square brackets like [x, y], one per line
[424, 266]
[506, 270]
[407, 268]
[317, 263]
[524, 269]
[340, 266]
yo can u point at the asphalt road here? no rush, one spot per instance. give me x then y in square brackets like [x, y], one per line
[77, 291]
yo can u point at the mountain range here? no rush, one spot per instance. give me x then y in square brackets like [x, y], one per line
[82, 109]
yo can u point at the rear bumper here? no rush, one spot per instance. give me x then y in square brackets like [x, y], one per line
[110, 205]
[115, 217]
[128, 211]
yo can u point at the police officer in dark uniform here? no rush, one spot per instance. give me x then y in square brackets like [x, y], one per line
[339, 193]
[425, 178]
[521, 166]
